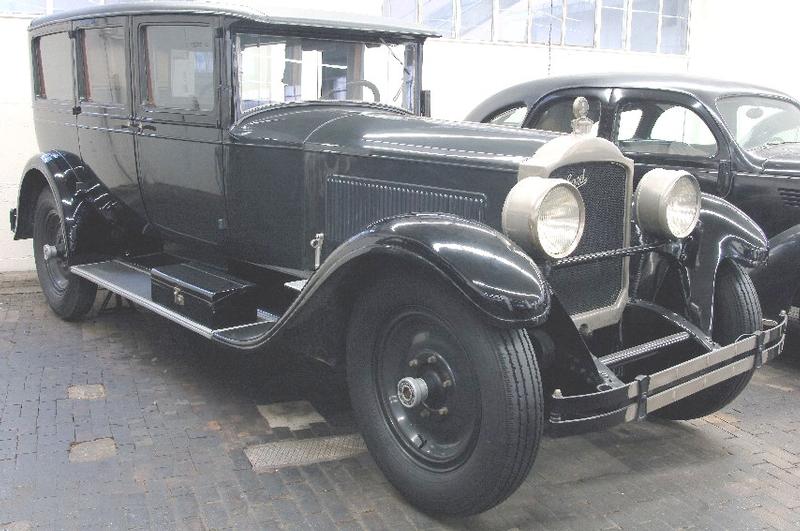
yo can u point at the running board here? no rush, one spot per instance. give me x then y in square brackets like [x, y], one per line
[133, 283]
[643, 351]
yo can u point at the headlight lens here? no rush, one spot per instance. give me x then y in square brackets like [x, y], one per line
[668, 203]
[544, 216]
[560, 221]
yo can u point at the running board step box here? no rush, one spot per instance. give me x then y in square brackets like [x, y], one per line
[135, 284]
[210, 297]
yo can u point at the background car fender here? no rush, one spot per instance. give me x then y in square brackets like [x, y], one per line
[724, 233]
[777, 280]
[496, 276]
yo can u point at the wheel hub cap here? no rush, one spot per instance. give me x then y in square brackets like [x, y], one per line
[412, 391]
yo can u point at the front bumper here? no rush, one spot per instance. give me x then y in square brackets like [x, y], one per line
[570, 415]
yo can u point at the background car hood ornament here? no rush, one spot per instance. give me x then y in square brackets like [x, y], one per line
[582, 124]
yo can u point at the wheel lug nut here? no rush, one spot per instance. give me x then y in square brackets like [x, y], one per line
[413, 363]
[424, 413]
[431, 359]
[447, 383]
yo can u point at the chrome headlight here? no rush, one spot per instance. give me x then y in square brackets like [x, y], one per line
[668, 203]
[544, 216]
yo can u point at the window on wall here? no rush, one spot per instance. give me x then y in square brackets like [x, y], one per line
[401, 10]
[104, 69]
[613, 17]
[512, 21]
[652, 26]
[180, 67]
[644, 25]
[53, 57]
[579, 22]
[25, 7]
[438, 15]
[547, 21]
[476, 20]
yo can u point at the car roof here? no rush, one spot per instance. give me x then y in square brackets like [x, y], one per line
[270, 16]
[704, 89]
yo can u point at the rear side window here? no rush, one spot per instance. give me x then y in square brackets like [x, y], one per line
[512, 117]
[180, 67]
[53, 67]
[557, 115]
[104, 69]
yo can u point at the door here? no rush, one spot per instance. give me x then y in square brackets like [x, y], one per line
[660, 129]
[179, 138]
[105, 129]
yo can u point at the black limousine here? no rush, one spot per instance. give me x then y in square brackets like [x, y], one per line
[254, 176]
[741, 141]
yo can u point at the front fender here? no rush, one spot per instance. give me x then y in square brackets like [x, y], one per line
[489, 269]
[778, 279]
[724, 233]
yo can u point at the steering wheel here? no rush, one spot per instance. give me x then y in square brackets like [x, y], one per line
[376, 93]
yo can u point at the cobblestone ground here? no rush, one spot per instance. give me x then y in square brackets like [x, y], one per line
[176, 417]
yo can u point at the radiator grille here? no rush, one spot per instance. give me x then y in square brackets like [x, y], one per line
[595, 285]
[352, 203]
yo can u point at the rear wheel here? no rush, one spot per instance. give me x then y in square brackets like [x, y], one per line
[450, 407]
[70, 296]
[737, 312]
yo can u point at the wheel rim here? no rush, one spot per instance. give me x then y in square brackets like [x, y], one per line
[56, 267]
[439, 432]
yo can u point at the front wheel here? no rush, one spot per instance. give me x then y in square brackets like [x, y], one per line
[70, 296]
[737, 313]
[450, 407]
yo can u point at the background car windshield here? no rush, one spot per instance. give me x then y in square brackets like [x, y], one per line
[286, 69]
[758, 121]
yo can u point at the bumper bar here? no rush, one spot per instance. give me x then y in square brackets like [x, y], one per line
[575, 414]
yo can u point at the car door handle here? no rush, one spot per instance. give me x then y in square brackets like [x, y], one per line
[136, 127]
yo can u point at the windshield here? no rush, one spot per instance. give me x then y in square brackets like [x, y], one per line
[760, 121]
[275, 70]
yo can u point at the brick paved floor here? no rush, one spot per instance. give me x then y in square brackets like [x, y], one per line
[181, 415]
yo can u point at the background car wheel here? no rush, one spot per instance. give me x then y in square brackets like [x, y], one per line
[71, 297]
[463, 433]
[737, 312]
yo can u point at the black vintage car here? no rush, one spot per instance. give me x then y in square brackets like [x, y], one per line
[741, 141]
[257, 177]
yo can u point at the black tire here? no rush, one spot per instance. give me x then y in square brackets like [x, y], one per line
[71, 297]
[481, 450]
[737, 312]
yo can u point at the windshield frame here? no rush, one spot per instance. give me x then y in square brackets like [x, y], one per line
[344, 37]
[732, 133]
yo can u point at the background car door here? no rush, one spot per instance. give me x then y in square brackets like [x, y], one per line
[660, 129]
[105, 128]
[179, 142]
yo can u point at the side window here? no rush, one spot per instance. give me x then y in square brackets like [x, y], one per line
[512, 117]
[103, 67]
[179, 69]
[664, 129]
[557, 115]
[53, 67]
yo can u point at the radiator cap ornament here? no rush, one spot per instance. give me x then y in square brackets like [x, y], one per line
[582, 124]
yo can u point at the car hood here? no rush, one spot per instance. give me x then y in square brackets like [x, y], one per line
[378, 132]
[781, 158]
